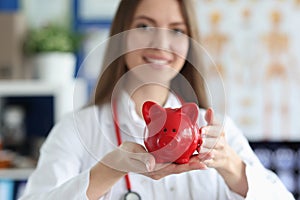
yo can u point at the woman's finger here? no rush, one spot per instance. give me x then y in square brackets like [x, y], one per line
[204, 150]
[147, 159]
[201, 156]
[209, 116]
[130, 157]
[209, 143]
[212, 131]
[139, 156]
[209, 163]
[165, 169]
[192, 165]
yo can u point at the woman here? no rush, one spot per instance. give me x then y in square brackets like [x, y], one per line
[81, 158]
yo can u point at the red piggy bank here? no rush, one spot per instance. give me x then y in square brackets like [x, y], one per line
[171, 135]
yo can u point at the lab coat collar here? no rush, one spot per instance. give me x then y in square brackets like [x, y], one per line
[127, 113]
[131, 124]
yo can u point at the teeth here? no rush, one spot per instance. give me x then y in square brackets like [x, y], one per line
[157, 61]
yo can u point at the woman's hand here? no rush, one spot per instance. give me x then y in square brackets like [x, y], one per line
[215, 144]
[130, 157]
[165, 169]
[133, 157]
[221, 156]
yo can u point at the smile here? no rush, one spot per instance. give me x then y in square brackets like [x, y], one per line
[157, 63]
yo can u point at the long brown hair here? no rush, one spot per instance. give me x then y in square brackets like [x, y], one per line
[113, 70]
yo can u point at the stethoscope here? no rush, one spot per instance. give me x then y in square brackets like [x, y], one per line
[130, 195]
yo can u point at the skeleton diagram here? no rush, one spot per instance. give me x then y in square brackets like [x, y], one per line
[215, 42]
[245, 56]
[276, 91]
[246, 53]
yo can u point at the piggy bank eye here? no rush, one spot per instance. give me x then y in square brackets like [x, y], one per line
[174, 130]
[165, 130]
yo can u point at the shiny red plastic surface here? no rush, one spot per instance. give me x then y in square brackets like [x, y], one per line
[171, 135]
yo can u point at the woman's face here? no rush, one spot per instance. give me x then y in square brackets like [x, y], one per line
[158, 39]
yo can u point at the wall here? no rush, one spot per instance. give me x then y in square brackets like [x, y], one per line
[41, 12]
[255, 47]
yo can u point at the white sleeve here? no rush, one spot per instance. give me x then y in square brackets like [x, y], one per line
[262, 183]
[58, 174]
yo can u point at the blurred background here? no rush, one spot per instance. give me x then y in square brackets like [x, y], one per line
[45, 74]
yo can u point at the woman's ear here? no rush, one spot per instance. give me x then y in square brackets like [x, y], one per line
[191, 110]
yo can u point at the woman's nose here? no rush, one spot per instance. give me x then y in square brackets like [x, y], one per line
[160, 39]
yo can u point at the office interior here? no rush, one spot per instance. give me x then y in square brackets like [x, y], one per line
[254, 50]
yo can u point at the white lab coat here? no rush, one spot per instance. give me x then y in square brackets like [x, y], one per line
[79, 141]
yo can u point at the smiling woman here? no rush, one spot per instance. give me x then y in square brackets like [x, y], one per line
[99, 152]
[167, 43]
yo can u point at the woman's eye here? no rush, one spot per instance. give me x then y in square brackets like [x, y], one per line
[143, 26]
[178, 31]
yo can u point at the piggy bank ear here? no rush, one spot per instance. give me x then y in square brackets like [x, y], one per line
[191, 110]
[151, 110]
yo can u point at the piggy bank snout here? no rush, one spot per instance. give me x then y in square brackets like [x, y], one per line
[169, 141]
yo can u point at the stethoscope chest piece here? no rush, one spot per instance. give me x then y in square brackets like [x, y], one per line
[132, 196]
